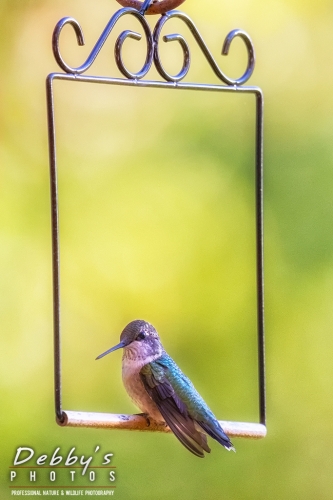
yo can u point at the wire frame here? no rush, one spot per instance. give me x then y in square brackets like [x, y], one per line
[172, 82]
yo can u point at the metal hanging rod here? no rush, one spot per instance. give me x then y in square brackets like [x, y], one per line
[152, 6]
[171, 82]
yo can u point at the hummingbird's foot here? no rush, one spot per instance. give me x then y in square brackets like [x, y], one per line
[145, 415]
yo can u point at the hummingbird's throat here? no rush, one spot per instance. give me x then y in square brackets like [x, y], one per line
[144, 352]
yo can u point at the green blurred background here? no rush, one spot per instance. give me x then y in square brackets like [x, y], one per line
[157, 222]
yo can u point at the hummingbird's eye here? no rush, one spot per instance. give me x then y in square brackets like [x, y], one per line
[141, 336]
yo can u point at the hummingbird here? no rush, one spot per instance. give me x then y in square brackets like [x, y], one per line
[160, 389]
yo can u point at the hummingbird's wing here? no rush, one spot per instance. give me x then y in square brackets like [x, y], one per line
[155, 379]
[215, 431]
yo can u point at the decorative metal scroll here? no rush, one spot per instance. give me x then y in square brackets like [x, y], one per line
[153, 52]
[153, 40]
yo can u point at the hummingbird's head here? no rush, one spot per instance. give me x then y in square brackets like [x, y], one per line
[139, 339]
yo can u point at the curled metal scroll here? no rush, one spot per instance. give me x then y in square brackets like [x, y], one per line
[152, 41]
[200, 41]
[101, 41]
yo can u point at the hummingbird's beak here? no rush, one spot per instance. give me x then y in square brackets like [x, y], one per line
[118, 346]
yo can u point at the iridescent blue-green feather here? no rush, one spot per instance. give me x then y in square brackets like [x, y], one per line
[181, 405]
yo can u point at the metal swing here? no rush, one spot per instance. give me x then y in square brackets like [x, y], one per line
[138, 10]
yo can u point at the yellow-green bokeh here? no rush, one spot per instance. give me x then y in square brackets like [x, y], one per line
[157, 221]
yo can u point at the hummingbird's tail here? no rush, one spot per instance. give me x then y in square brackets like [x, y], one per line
[218, 434]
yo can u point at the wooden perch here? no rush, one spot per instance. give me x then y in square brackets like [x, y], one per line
[140, 423]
